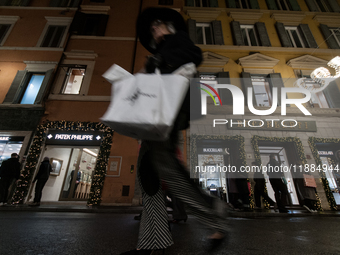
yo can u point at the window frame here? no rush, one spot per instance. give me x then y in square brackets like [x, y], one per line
[266, 86]
[8, 20]
[286, 3]
[291, 37]
[332, 30]
[203, 25]
[165, 2]
[246, 29]
[201, 3]
[54, 21]
[239, 4]
[60, 80]
[25, 84]
[67, 76]
[319, 95]
[324, 4]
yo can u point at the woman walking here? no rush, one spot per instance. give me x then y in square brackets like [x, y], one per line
[162, 31]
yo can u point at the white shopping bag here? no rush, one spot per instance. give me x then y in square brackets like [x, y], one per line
[144, 106]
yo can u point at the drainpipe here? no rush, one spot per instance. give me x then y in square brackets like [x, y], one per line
[136, 41]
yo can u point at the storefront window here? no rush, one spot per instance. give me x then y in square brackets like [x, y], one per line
[73, 180]
[327, 158]
[9, 145]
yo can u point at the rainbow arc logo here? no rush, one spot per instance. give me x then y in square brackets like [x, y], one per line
[209, 93]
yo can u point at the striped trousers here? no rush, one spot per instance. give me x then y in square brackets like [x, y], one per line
[158, 161]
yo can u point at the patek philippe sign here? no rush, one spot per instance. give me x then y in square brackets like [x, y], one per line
[57, 137]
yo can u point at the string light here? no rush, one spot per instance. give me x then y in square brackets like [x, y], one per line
[322, 76]
[312, 141]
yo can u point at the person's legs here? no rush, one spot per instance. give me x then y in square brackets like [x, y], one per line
[257, 195]
[38, 190]
[178, 180]
[5, 183]
[274, 183]
[154, 232]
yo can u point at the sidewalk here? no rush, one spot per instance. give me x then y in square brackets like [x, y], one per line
[83, 208]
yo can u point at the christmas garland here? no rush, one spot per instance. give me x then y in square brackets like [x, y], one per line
[298, 145]
[26, 174]
[312, 144]
[241, 151]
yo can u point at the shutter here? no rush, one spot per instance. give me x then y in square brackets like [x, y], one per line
[43, 87]
[54, 3]
[271, 5]
[281, 30]
[237, 34]
[192, 30]
[14, 89]
[102, 24]
[217, 31]
[262, 34]
[213, 3]
[63, 3]
[231, 3]
[332, 43]
[305, 31]
[225, 94]
[76, 3]
[25, 2]
[254, 4]
[246, 83]
[332, 95]
[77, 25]
[275, 81]
[312, 5]
[190, 2]
[295, 6]
[334, 4]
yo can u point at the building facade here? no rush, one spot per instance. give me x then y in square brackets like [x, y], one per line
[263, 45]
[64, 48]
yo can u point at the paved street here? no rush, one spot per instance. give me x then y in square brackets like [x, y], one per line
[104, 233]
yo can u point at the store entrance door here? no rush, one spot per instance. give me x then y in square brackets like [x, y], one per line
[282, 158]
[79, 174]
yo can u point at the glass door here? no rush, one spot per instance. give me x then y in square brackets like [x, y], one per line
[79, 175]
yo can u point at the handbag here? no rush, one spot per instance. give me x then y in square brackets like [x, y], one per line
[145, 106]
[309, 181]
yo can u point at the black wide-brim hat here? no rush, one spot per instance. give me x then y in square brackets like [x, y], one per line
[151, 14]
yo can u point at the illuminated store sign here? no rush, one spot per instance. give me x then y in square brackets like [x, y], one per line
[58, 137]
[5, 139]
[325, 153]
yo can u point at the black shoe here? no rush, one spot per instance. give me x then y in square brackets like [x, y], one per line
[215, 244]
[177, 220]
[138, 217]
[138, 252]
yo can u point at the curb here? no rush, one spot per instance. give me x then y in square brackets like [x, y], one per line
[138, 209]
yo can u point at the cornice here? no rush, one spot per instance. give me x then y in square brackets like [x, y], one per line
[245, 17]
[331, 19]
[293, 19]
